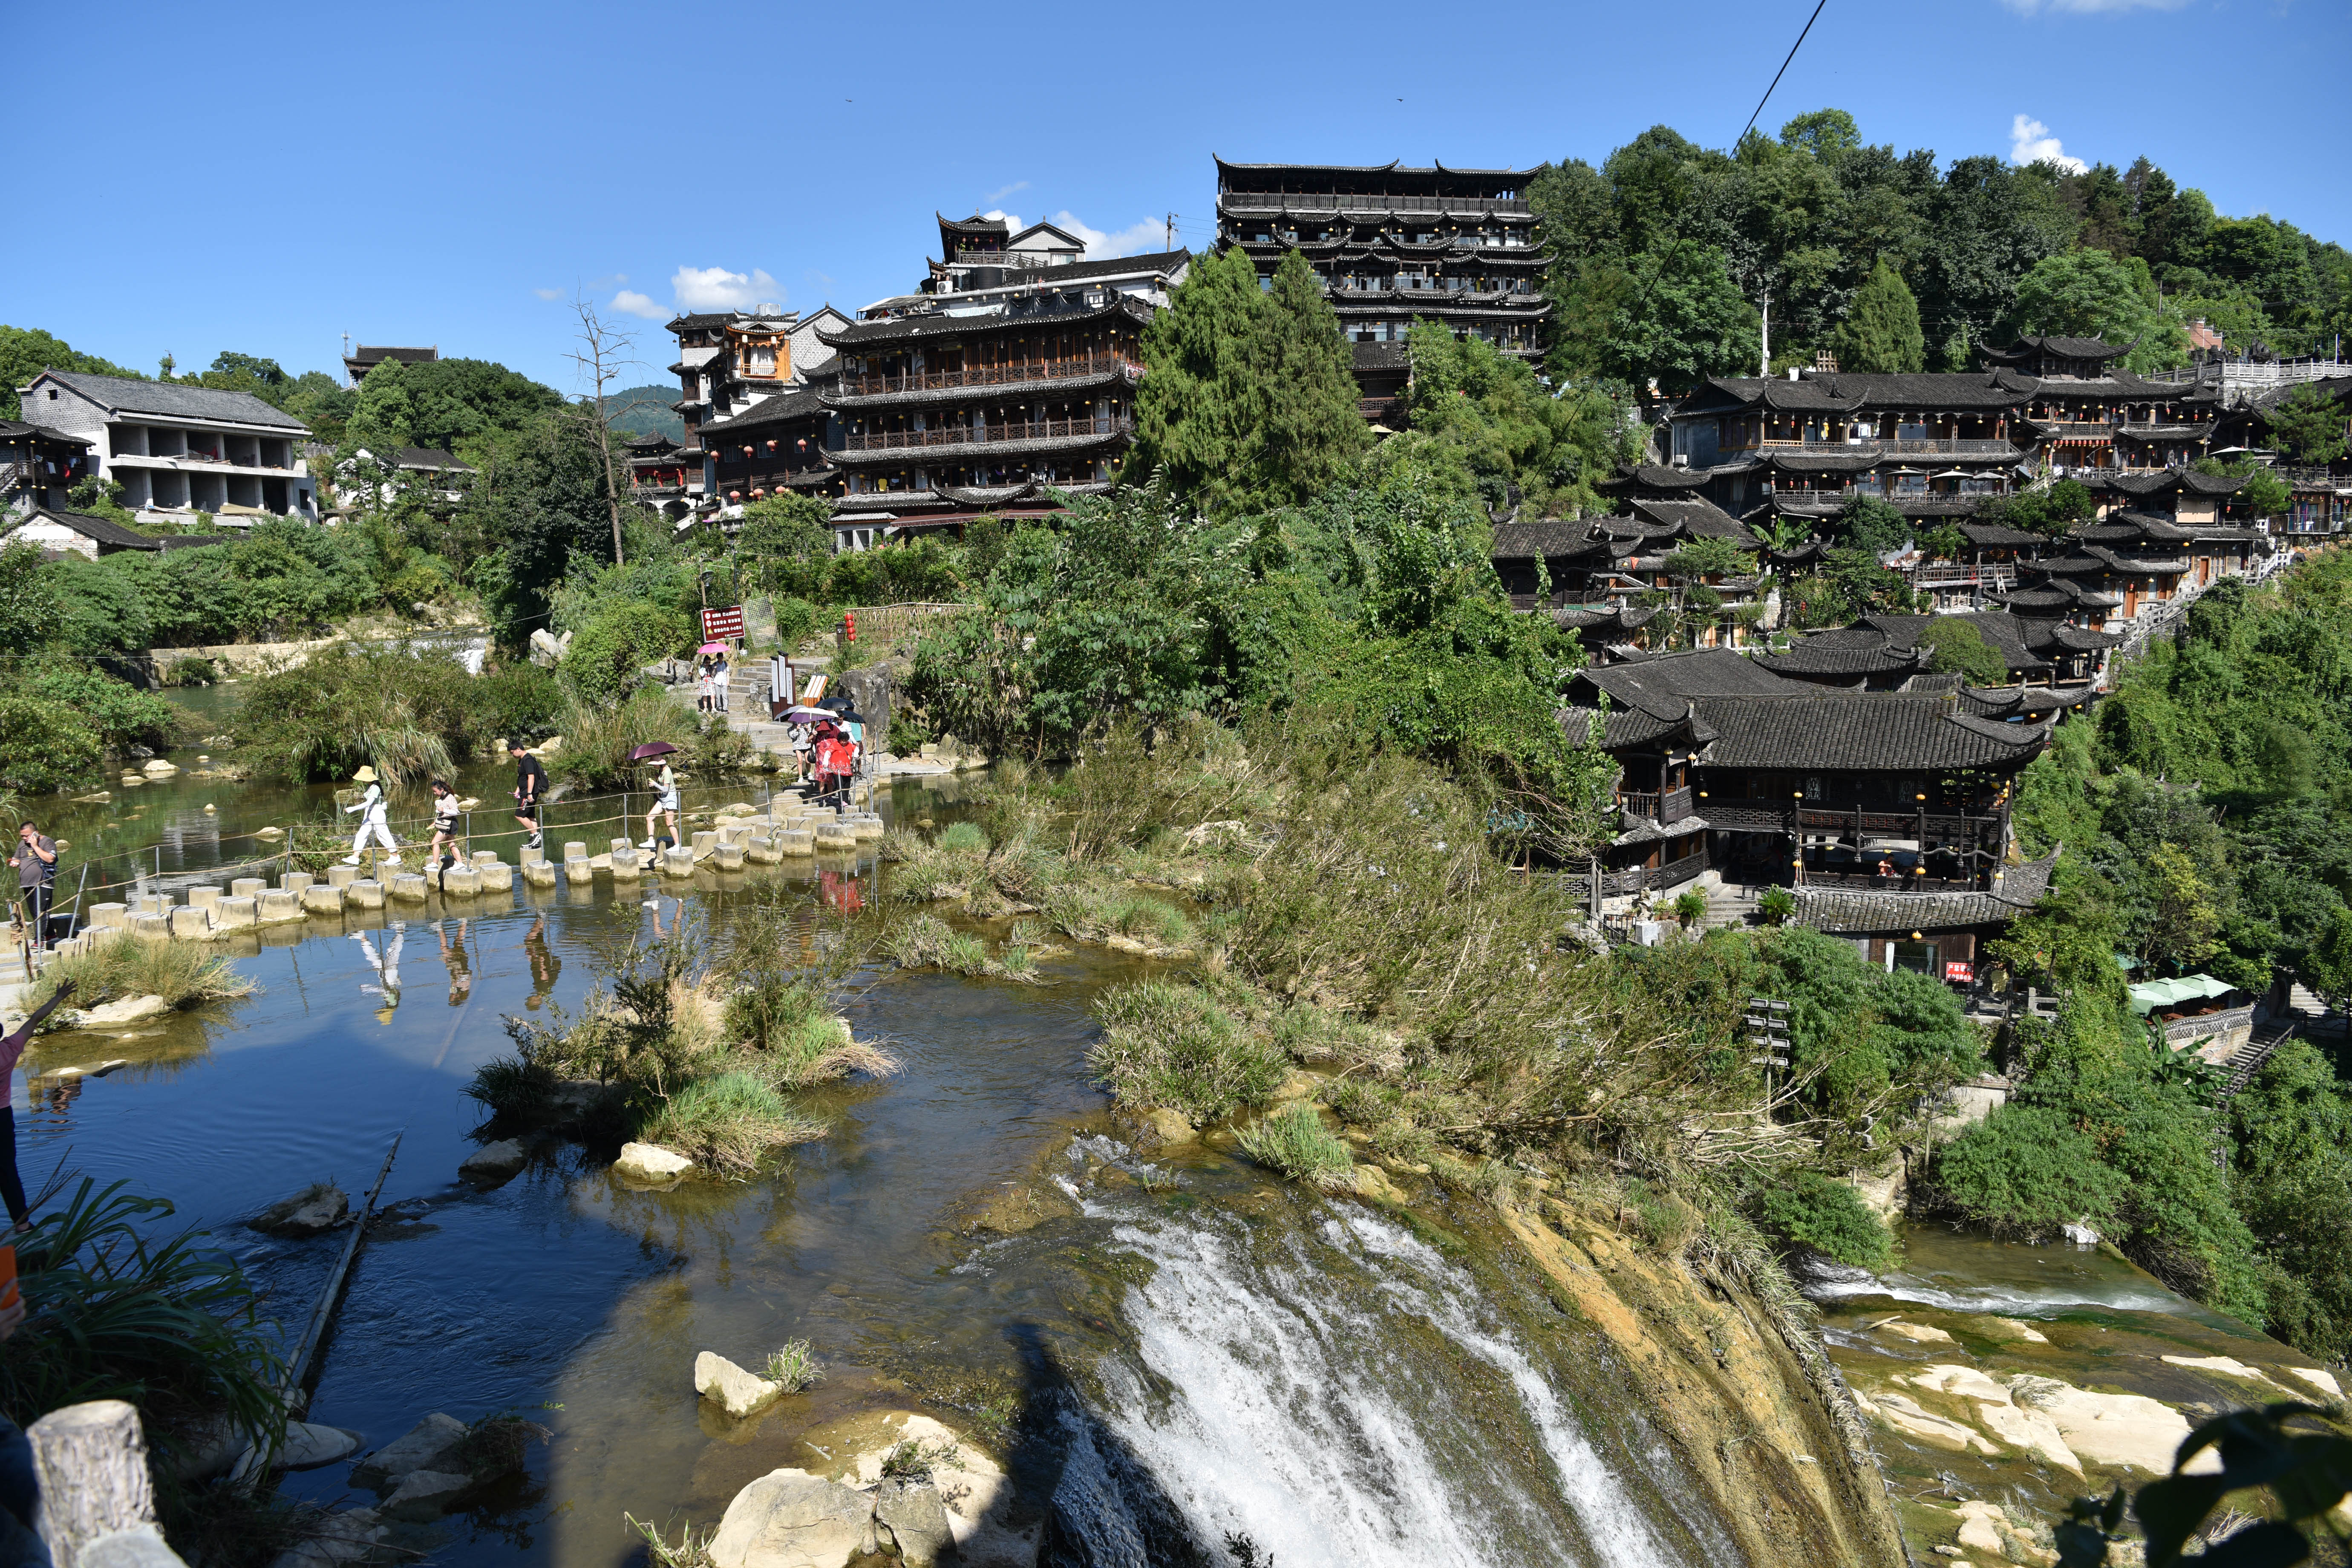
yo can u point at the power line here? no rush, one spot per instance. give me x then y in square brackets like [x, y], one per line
[1782, 71]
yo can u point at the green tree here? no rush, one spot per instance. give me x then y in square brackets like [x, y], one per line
[1881, 331]
[445, 403]
[25, 352]
[1960, 647]
[28, 601]
[2307, 425]
[1866, 522]
[1196, 412]
[2089, 293]
[1677, 318]
[1309, 432]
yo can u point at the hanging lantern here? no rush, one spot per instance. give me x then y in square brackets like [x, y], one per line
[758, 495]
[734, 495]
[747, 451]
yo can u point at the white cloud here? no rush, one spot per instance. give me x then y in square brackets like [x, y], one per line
[716, 289]
[2030, 141]
[636, 304]
[1141, 237]
[994, 196]
[2091, 7]
[549, 293]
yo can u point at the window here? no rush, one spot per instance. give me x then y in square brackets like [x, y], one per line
[1813, 789]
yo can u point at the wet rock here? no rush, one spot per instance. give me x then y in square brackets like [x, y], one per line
[790, 1519]
[308, 1446]
[307, 1212]
[494, 1163]
[1160, 1129]
[1917, 1333]
[2228, 1366]
[2113, 1428]
[916, 1522]
[129, 1010]
[425, 1495]
[355, 1536]
[736, 1391]
[430, 1445]
[2323, 1380]
[650, 1162]
[2018, 1329]
[2080, 1233]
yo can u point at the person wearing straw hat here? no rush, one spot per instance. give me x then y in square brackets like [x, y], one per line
[370, 807]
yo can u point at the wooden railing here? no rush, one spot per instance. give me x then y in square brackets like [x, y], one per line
[1649, 879]
[879, 385]
[2078, 428]
[1958, 574]
[968, 436]
[1328, 201]
[1996, 446]
[1841, 882]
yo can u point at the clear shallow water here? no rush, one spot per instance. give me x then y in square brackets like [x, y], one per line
[1218, 1355]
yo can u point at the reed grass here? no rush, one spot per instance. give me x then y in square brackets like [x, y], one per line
[728, 1122]
[795, 1366]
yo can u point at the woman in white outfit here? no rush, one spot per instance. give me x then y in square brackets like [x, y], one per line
[371, 809]
[665, 804]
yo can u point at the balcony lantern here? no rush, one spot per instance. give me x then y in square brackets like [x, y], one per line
[747, 451]
[734, 495]
[772, 446]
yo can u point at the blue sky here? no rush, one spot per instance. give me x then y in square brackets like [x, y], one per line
[267, 179]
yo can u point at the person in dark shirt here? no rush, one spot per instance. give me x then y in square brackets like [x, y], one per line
[36, 878]
[530, 789]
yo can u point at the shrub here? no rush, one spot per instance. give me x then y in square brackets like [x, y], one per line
[44, 746]
[1148, 918]
[795, 1366]
[408, 715]
[599, 736]
[729, 1123]
[191, 671]
[521, 701]
[608, 654]
[797, 622]
[122, 715]
[1169, 1045]
[1810, 1209]
[2026, 1170]
[1659, 1218]
[1293, 1140]
[1776, 905]
[1689, 907]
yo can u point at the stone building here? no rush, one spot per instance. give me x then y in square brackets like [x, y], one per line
[178, 451]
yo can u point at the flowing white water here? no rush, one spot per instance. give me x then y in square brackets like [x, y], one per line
[1344, 1396]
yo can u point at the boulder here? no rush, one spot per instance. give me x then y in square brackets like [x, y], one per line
[425, 1495]
[733, 1390]
[495, 1161]
[160, 769]
[321, 1208]
[917, 1523]
[356, 1536]
[129, 1010]
[309, 1444]
[790, 1519]
[1917, 1333]
[650, 1162]
[430, 1445]
[2113, 1429]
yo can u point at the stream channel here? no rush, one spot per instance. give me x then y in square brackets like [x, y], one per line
[1201, 1353]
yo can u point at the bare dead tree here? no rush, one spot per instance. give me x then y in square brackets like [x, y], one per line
[604, 351]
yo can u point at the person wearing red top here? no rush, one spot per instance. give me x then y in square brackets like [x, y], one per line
[835, 759]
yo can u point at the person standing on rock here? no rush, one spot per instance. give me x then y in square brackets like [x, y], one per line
[12, 1049]
[665, 804]
[36, 879]
[530, 786]
[371, 813]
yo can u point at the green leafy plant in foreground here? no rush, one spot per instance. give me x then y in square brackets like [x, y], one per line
[1811, 1210]
[115, 1313]
[2303, 1473]
[795, 1366]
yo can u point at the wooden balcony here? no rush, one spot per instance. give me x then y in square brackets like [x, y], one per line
[968, 436]
[1328, 201]
[880, 385]
[1910, 445]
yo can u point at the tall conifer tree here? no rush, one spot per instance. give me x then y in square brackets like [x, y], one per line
[1311, 432]
[1881, 330]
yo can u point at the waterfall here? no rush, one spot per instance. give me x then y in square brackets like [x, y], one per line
[1339, 1393]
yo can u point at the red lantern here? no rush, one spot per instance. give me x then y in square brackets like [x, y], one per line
[758, 495]
[849, 625]
[734, 495]
[772, 446]
[747, 451]
[804, 443]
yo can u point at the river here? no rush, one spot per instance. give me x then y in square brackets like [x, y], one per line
[1196, 1354]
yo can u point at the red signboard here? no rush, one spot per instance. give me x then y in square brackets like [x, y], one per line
[718, 626]
[1960, 972]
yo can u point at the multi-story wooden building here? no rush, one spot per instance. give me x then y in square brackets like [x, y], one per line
[1393, 246]
[38, 466]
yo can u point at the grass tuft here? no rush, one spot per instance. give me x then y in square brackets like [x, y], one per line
[963, 838]
[122, 966]
[1169, 1045]
[728, 1122]
[1293, 1141]
[795, 1366]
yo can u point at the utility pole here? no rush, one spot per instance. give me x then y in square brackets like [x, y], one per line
[1170, 243]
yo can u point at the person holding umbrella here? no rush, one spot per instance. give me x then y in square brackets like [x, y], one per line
[666, 801]
[835, 759]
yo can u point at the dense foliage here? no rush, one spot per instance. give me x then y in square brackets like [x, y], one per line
[1668, 259]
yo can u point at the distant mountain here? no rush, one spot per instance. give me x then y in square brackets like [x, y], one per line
[646, 411]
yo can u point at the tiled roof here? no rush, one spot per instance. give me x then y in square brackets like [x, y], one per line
[2056, 348]
[801, 403]
[866, 335]
[432, 457]
[1601, 618]
[2001, 536]
[1381, 356]
[1697, 518]
[170, 400]
[1841, 652]
[1651, 476]
[1111, 267]
[1552, 538]
[1835, 732]
[2002, 632]
[2015, 889]
[18, 429]
[100, 529]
